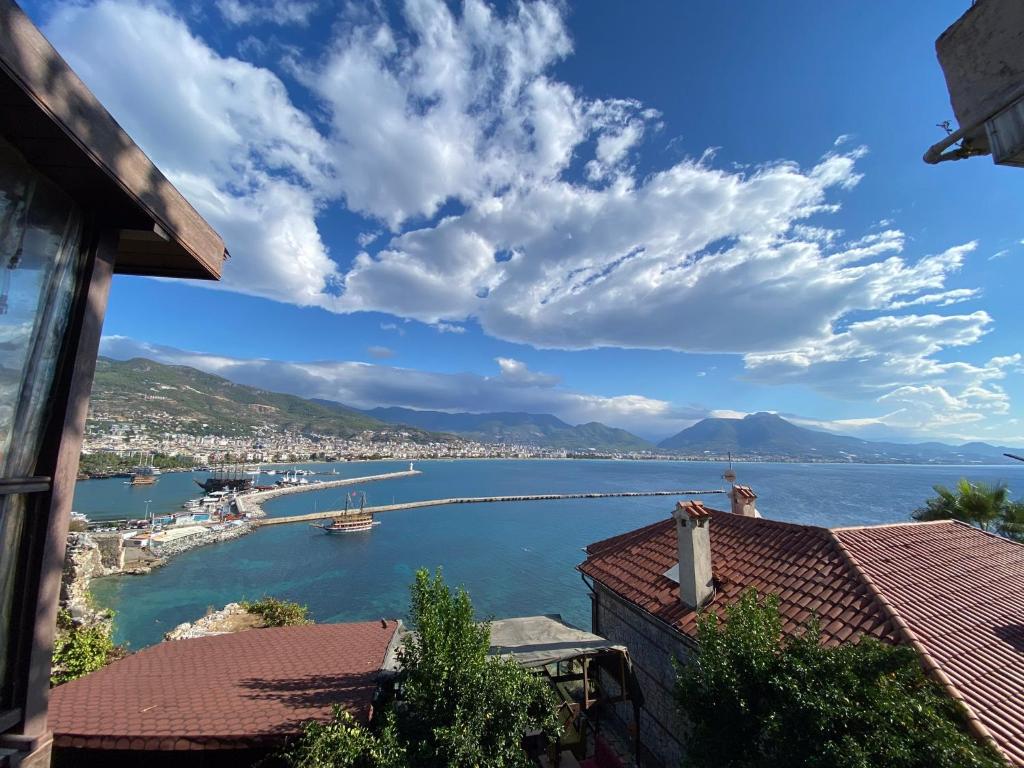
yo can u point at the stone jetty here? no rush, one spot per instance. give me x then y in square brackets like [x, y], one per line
[251, 503]
[479, 500]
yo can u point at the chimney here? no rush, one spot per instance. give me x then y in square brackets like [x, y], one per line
[743, 501]
[694, 546]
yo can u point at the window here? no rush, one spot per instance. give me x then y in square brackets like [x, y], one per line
[40, 255]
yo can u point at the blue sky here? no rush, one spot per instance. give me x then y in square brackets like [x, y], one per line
[640, 214]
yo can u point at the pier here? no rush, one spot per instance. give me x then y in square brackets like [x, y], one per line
[250, 502]
[474, 500]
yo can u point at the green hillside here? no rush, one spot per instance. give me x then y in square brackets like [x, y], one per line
[183, 399]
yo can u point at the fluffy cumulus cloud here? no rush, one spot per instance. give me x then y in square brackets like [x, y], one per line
[224, 131]
[364, 385]
[495, 193]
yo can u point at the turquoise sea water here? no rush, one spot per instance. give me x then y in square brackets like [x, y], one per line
[515, 558]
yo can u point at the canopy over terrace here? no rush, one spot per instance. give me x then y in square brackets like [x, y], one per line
[535, 641]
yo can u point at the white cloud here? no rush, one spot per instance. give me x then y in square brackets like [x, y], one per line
[363, 385]
[516, 373]
[550, 237]
[224, 131]
[894, 361]
[999, 254]
[449, 328]
[380, 353]
[239, 12]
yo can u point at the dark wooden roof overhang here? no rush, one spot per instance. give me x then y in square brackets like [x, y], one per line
[61, 128]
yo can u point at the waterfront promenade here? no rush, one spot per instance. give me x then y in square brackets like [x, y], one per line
[476, 500]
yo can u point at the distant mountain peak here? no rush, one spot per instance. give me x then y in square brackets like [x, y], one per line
[769, 435]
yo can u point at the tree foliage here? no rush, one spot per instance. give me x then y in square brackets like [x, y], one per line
[758, 699]
[987, 506]
[79, 650]
[278, 613]
[456, 706]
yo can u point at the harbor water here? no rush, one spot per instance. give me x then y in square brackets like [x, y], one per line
[514, 558]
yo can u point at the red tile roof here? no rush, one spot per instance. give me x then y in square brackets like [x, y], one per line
[959, 593]
[801, 564]
[952, 591]
[225, 692]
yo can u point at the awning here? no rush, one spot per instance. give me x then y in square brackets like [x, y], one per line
[535, 641]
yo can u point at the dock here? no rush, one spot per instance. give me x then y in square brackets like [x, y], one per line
[473, 500]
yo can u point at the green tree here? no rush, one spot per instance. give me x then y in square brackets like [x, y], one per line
[1011, 521]
[455, 707]
[460, 707]
[758, 699]
[987, 506]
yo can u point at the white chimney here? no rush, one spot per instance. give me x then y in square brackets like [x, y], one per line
[694, 545]
[743, 501]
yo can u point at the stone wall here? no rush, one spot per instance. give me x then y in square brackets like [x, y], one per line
[83, 562]
[111, 547]
[652, 646]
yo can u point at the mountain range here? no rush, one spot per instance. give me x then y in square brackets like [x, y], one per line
[540, 429]
[770, 435]
[189, 400]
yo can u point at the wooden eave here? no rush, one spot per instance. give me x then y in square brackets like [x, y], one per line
[62, 129]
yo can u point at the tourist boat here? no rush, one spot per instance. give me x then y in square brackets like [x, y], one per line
[349, 521]
[143, 480]
[353, 522]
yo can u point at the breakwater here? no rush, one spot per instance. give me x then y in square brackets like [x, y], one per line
[479, 500]
[250, 503]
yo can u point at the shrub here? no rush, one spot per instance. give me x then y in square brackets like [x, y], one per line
[278, 613]
[79, 650]
[757, 699]
[343, 743]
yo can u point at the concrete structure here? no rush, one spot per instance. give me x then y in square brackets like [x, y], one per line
[693, 570]
[982, 57]
[79, 201]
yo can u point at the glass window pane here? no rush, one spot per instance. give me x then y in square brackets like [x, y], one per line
[40, 258]
[40, 235]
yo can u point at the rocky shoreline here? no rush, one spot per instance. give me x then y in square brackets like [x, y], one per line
[233, 617]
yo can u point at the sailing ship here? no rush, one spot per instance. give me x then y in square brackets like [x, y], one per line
[224, 478]
[145, 473]
[349, 521]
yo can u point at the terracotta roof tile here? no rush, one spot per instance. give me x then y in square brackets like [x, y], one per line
[802, 564]
[960, 591]
[223, 692]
